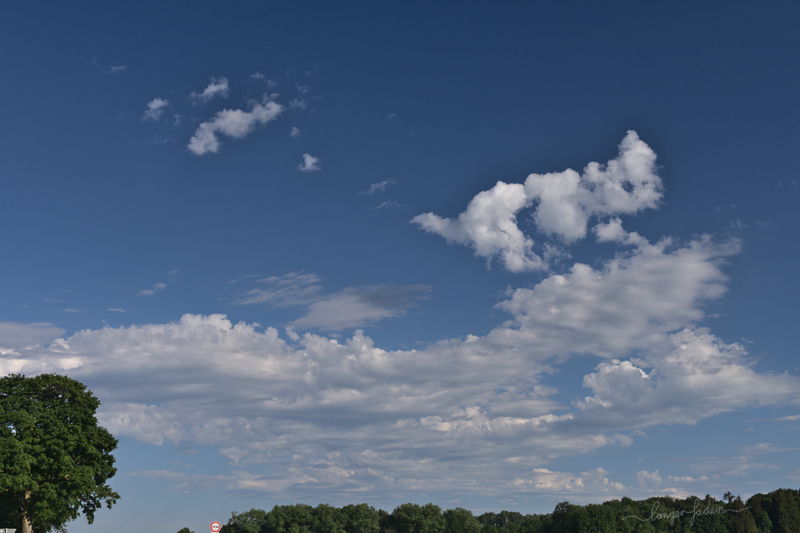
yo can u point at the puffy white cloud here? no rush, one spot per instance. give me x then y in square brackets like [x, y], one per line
[563, 204]
[309, 164]
[295, 133]
[234, 123]
[631, 302]
[691, 377]
[489, 225]
[217, 87]
[155, 109]
[567, 200]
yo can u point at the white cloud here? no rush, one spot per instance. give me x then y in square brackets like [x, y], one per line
[649, 479]
[350, 415]
[378, 187]
[217, 87]
[234, 123]
[592, 483]
[567, 200]
[489, 225]
[295, 133]
[309, 164]
[151, 291]
[630, 302]
[155, 109]
[563, 204]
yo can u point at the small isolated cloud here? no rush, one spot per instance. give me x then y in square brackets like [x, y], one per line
[116, 69]
[297, 104]
[234, 123]
[217, 87]
[309, 164]
[155, 108]
[295, 133]
[649, 479]
[378, 187]
[157, 287]
[116, 309]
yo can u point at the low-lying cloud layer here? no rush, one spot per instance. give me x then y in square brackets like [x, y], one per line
[476, 415]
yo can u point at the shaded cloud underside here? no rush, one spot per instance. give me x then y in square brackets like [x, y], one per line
[338, 416]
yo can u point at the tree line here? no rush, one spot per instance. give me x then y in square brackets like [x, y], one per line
[775, 512]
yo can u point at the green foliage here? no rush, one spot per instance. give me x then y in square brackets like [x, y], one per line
[55, 459]
[185, 530]
[360, 518]
[460, 520]
[653, 515]
[413, 518]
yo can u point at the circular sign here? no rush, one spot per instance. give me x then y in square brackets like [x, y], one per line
[215, 526]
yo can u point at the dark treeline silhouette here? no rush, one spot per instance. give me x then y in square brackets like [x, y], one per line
[776, 512]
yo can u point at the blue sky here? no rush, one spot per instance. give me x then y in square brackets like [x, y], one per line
[489, 255]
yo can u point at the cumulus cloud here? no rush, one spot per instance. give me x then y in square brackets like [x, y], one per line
[295, 133]
[309, 164]
[234, 123]
[489, 225]
[563, 203]
[217, 87]
[155, 109]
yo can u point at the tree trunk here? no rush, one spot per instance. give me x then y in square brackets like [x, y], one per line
[27, 525]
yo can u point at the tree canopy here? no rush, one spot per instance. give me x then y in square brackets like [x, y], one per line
[55, 459]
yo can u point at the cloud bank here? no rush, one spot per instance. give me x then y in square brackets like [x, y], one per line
[331, 416]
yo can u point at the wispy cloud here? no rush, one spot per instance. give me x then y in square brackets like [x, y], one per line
[157, 287]
[295, 133]
[309, 164]
[378, 187]
[295, 288]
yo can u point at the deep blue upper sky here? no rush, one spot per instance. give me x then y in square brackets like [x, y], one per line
[321, 168]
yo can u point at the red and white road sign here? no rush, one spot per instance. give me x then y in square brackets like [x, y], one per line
[215, 526]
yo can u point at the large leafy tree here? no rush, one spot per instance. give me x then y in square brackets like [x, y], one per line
[55, 459]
